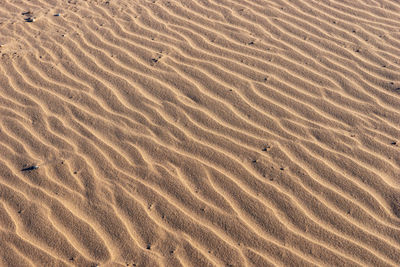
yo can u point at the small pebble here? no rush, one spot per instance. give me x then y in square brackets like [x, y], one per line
[266, 148]
[57, 15]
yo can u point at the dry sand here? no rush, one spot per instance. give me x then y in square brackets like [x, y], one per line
[200, 133]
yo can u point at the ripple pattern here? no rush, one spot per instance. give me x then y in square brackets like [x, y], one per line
[200, 133]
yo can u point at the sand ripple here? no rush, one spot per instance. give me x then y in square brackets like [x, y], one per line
[200, 133]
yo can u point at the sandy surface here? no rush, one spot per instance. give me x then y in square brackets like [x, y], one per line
[200, 133]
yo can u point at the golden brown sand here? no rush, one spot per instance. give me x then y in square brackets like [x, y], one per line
[200, 133]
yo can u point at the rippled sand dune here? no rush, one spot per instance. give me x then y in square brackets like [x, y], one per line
[200, 133]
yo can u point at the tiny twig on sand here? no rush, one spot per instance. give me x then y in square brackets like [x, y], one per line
[31, 168]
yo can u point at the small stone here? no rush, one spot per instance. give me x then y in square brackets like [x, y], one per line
[266, 148]
[393, 143]
[57, 15]
[148, 247]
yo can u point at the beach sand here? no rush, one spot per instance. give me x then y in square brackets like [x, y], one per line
[199, 133]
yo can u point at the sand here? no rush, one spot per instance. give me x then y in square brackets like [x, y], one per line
[199, 133]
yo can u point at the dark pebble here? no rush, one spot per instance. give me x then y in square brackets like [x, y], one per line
[266, 148]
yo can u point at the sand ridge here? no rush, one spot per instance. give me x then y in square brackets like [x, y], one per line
[199, 133]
